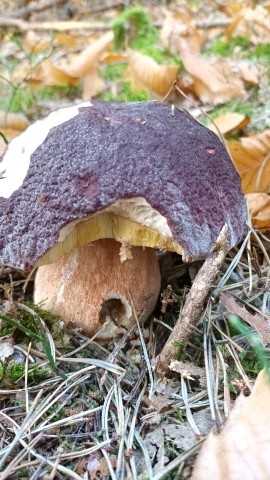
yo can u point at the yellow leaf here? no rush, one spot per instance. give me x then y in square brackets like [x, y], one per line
[251, 156]
[50, 74]
[85, 62]
[228, 122]
[212, 83]
[9, 133]
[241, 450]
[249, 72]
[259, 210]
[149, 75]
[251, 23]
[179, 31]
[36, 43]
[92, 85]
[15, 121]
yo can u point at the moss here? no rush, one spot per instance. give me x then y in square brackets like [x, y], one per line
[113, 72]
[250, 363]
[225, 48]
[131, 26]
[179, 416]
[181, 348]
[134, 29]
[262, 51]
[16, 370]
[126, 93]
[1, 371]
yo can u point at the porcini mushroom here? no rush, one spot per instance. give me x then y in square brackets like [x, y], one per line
[101, 185]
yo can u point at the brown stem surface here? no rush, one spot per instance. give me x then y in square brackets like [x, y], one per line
[194, 303]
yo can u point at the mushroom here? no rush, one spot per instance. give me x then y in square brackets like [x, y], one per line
[92, 190]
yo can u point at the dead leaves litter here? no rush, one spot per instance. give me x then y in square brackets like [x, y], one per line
[243, 444]
[251, 156]
[259, 210]
[212, 84]
[146, 73]
[229, 122]
[259, 322]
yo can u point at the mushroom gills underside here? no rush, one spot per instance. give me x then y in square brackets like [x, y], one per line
[129, 221]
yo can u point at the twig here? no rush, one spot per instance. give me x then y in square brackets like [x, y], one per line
[193, 306]
[36, 7]
[53, 26]
[102, 7]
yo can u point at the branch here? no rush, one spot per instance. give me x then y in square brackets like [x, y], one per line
[61, 26]
[33, 8]
[194, 303]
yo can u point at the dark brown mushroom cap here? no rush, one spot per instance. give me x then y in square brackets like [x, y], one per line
[113, 151]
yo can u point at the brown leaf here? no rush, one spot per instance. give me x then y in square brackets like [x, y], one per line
[161, 402]
[149, 75]
[85, 62]
[212, 83]
[251, 156]
[179, 31]
[243, 444]
[249, 72]
[6, 347]
[259, 210]
[252, 23]
[181, 436]
[15, 121]
[228, 122]
[257, 321]
[36, 42]
[50, 74]
[92, 85]
[189, 371]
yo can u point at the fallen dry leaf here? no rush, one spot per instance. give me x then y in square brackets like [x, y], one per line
[49, 74]
[229, 122]
[212, 83]
[6, 348]
[189, 370]
[149, 75]
[259, 210]
[11, 125]
[85, 62]
[179, 32]
[155, 444]
[257, 321]
[15, 121]
[161, 402]
[251, 23]
[36, 42]
[251, 156]
[250, 72]
[243, 444]
[92, 85]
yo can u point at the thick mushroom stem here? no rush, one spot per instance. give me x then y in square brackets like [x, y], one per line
[91, 285]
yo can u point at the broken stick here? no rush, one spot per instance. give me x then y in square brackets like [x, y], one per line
[194, 303]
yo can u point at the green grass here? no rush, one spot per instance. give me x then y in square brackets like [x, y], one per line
[29, 99]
